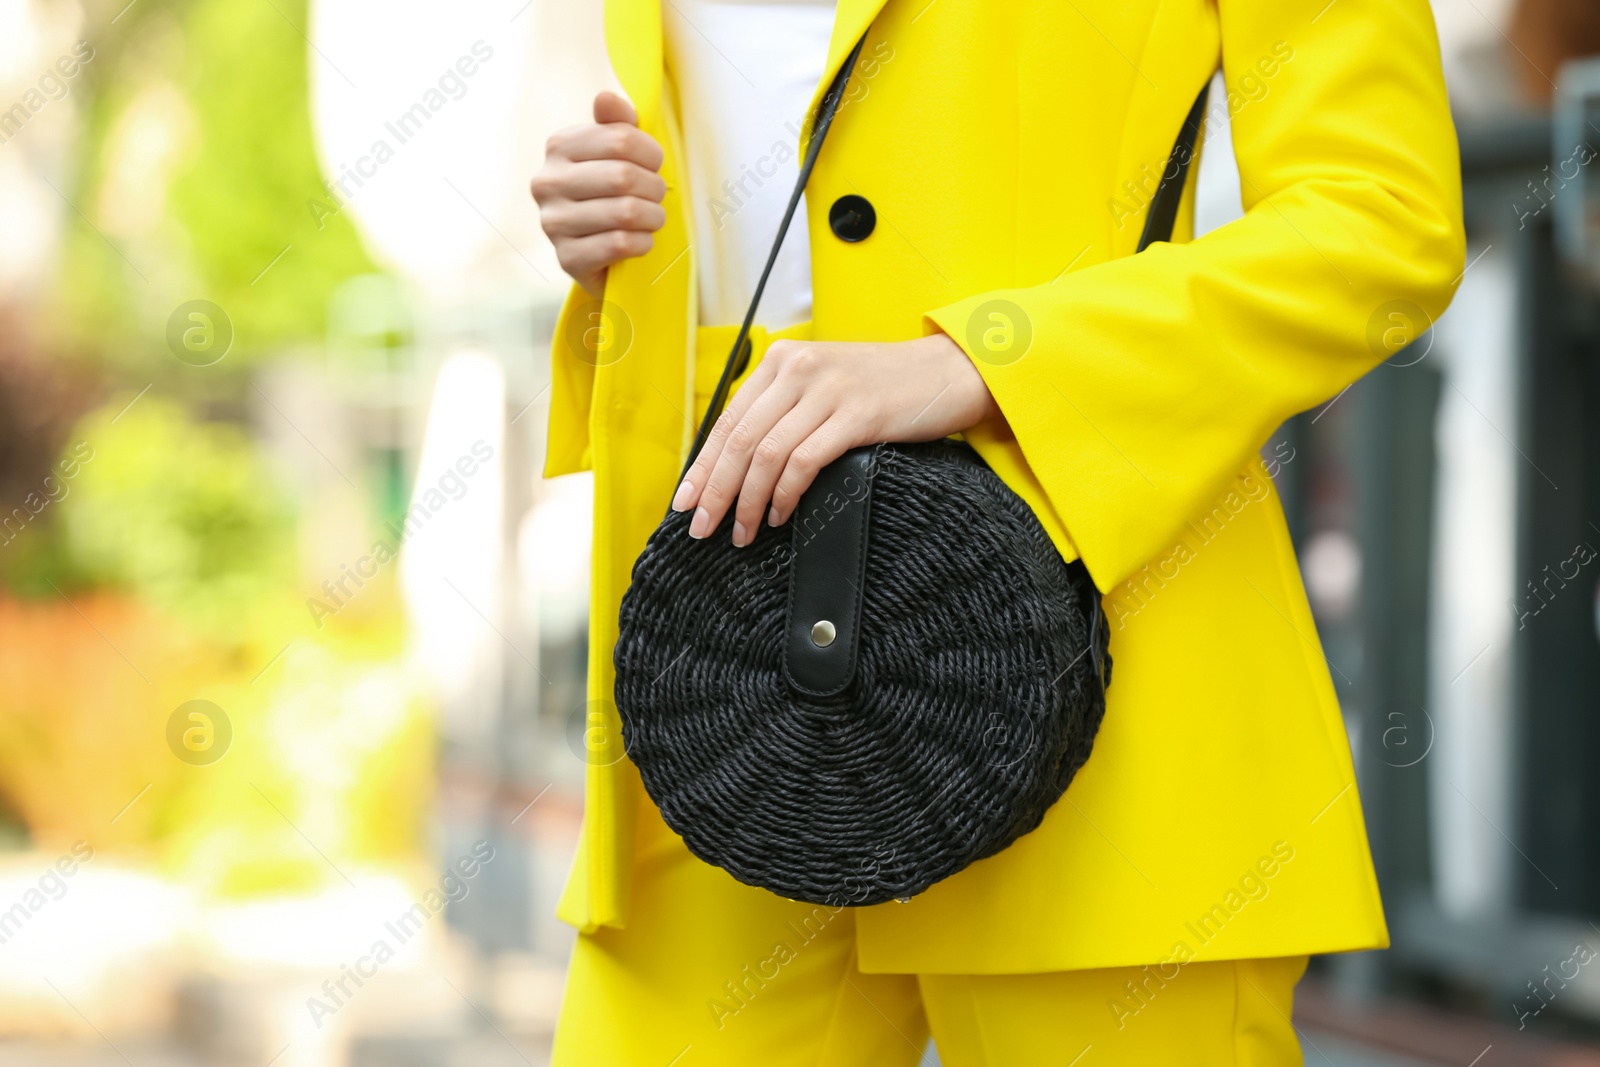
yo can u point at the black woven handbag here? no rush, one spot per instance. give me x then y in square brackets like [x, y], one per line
[898, 682]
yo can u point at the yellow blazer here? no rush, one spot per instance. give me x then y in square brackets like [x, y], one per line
[1009, 147]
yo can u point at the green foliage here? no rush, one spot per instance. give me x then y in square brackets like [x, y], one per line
[244, 199]
[182, 514]
[223, 85]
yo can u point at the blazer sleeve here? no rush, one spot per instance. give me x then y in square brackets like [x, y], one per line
[571, 390]
[1152, 379]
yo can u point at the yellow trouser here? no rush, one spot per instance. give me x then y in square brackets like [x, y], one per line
[709, 971]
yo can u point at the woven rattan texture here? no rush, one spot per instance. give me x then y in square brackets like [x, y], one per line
[974, 702]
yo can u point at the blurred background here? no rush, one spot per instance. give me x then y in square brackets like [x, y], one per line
[292, 631]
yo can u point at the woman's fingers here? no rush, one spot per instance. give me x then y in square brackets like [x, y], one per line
[561, 181]
[599, 192]
[768, 463]
[778, 431]
[694, 480]
[579, 256]
[733, 455]
[580, 218]
[827, 443]
[615, 140]
[609, 107]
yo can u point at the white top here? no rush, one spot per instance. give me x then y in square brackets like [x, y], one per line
[745, 72]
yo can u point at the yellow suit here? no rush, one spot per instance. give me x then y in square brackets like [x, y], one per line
[1009, 147]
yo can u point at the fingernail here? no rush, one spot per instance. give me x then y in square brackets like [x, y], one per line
[680, 502]
[772, 517]
[741, 536]
[701, 524]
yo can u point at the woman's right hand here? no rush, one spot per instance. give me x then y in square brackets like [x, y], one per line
[599, 192]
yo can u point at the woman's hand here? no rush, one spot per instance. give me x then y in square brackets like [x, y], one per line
[806, 404]
[599, 192]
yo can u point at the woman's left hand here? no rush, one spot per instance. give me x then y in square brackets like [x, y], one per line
[809, 402]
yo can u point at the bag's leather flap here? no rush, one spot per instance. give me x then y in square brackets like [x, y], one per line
[828, 539]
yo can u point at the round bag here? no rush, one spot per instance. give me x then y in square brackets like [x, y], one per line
[844, 745]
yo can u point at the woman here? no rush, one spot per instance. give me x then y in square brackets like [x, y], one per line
[968, 268]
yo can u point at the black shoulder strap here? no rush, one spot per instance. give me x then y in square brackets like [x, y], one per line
[1169, 191]
[1158, 225]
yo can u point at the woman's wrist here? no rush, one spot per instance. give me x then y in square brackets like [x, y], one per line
[972, 401]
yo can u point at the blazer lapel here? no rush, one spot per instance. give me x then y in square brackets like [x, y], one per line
[633, 41]
[850, 21]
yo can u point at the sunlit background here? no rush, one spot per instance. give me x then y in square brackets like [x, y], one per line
[292, 631]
